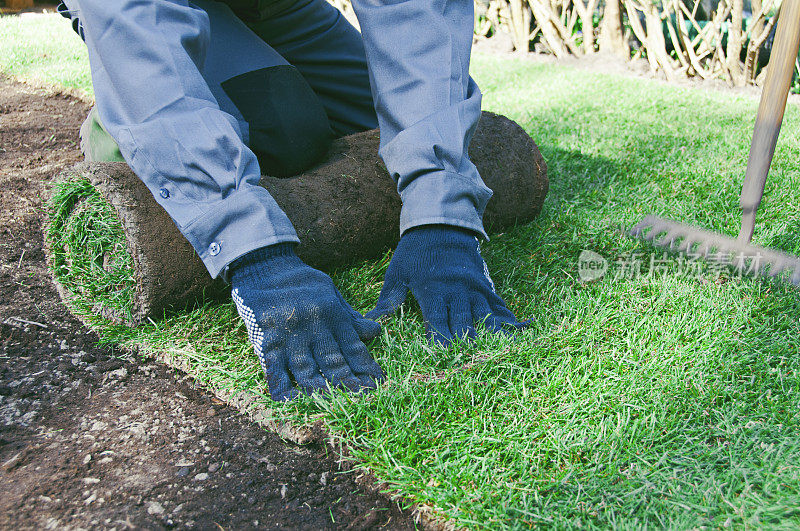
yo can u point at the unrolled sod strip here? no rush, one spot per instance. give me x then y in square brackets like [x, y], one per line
[115, 252]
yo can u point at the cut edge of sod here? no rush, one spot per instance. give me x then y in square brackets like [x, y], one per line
[93, 271]
[87, 252]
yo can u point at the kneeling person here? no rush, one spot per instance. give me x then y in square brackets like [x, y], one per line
[200, 98]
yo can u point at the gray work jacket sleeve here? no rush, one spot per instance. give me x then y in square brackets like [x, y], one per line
[428, 106]
[145, 59]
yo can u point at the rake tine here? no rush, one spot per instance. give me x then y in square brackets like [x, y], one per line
[686, 245]
[663, 239]
[741, 263]
[775, 268]
[796, 276]
[783, 267]
[673, 237]
[705, 249]
[639, 228]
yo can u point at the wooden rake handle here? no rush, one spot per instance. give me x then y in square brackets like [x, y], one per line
[770, 113]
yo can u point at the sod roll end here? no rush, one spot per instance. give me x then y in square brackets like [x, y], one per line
[115, 253]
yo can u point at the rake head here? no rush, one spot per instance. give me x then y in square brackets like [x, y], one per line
[739, 255]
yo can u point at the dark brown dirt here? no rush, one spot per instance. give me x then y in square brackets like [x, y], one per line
[90, 438]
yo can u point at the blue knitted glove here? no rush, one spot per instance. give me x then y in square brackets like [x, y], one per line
[300, 326]
[443, 268]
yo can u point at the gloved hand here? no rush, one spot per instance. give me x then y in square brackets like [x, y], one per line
[443, 268]
[300, 326]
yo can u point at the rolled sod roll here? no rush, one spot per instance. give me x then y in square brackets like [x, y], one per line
[115, 253]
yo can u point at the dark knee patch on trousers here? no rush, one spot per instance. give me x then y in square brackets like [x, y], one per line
[289, 130]
[257, 10]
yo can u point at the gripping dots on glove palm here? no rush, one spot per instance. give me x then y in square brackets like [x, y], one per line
[254, 332]
[300, 327]
[443, 268]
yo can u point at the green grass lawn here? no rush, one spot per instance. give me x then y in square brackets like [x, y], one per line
[666, 398]
[44, 49]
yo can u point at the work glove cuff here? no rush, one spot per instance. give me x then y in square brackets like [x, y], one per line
[440, 229]
[255, 265]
